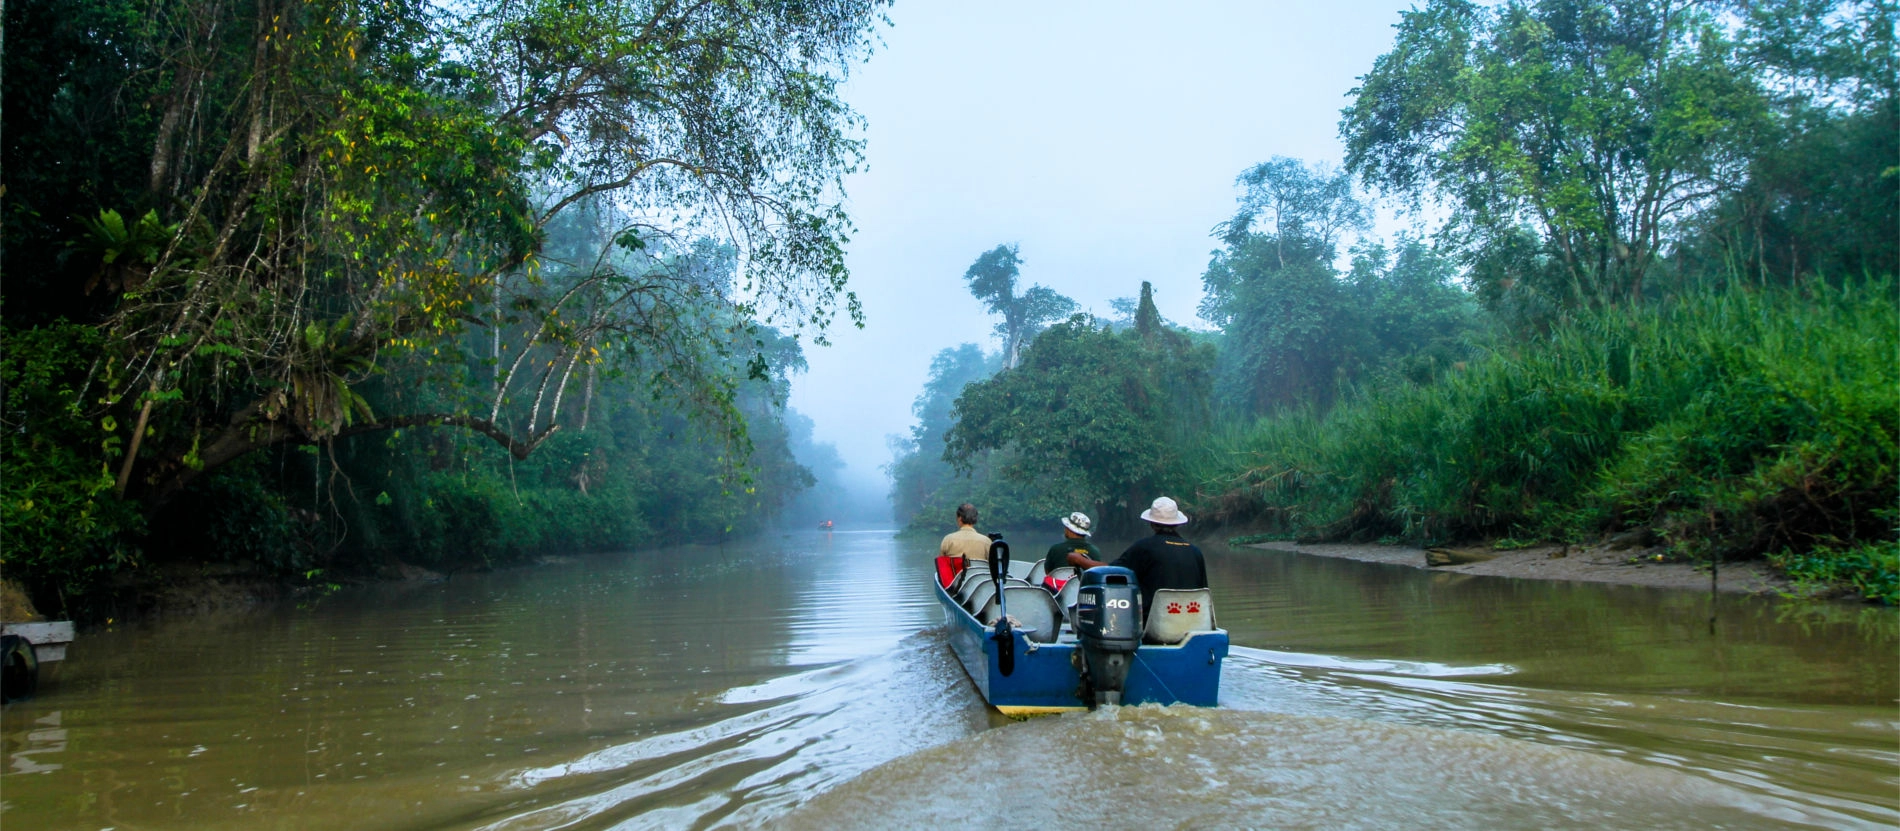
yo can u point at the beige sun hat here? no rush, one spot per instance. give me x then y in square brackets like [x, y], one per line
[1164, 512]
[1077, 522]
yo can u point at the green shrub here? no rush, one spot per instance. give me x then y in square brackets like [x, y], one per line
[63, 528]
[484, 509]
[232, 516]
[1871, 570]
[1737, 423]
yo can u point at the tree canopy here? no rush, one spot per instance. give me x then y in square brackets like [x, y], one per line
[925, 489]
[1601, 123]
[1297, 203]
[274, 224]
[1092, 417]
[1294, 329]
[317, 193]
[992, 278]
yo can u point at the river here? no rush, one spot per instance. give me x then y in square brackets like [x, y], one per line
[803, 680]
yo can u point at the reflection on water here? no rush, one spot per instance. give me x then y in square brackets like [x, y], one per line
[1557, 635]
[44, 740]
[727, 686]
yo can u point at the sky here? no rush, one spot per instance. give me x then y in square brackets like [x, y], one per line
[1103, 138]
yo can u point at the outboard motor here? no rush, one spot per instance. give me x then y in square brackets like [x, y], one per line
[1108, 624]
[999, 572]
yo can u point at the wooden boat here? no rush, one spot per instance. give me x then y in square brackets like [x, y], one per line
[24, 649]
[1032, 652]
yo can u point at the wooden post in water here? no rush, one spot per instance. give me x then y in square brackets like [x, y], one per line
[1715, 573]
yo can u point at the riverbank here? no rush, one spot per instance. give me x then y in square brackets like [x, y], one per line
[1754, 426]
[1592, 564]
[191, 589]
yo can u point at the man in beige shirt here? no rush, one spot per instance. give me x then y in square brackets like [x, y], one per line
[966, 541]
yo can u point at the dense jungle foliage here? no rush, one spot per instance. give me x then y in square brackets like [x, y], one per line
[318, 285]
[1662, 297]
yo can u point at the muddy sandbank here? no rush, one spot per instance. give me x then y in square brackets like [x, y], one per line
[1589, 564]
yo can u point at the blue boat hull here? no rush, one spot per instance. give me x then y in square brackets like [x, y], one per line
[1046, 676]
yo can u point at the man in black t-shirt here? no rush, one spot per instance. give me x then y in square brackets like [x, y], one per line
[1164, 561]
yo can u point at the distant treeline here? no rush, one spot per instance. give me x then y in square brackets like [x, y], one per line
[316, 286]
[1661, 298]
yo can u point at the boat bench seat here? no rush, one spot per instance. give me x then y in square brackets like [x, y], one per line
[1065, 599]
[981, 595]
[1178, 613]
[968, 585]
[1034, 611]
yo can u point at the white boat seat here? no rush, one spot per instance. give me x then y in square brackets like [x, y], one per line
[1034, 611]
[1178, 613]
[1063, 573]
[1019, 569]
[981, 594]
[969, 586]
[988, 613]
[1070, 591]
[1035, 573]
[973, 570]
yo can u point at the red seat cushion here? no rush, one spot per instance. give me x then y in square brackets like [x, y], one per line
[947, 570]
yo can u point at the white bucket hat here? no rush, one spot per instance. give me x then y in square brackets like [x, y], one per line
[1164, 512]
[1077, 522]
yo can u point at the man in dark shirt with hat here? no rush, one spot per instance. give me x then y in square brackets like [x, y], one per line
[1161, 561]
[1164, 560]
[1075, 547]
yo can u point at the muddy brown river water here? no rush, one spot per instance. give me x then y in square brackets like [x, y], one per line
[803, 681]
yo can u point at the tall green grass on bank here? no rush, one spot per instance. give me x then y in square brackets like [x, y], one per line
[1735, 424]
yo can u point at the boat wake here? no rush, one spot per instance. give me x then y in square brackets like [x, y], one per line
[794, 736]
[1182, 767]
[1300, 740]
[1815, 780]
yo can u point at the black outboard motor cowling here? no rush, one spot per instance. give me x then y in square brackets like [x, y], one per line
[1108, 625]
[999, 572]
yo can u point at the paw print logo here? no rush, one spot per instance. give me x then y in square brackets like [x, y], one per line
[1174, 608]
[1194, 607]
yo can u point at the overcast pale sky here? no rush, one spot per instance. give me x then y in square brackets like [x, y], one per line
[1103, 138]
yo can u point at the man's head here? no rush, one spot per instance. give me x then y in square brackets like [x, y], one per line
[1164, 514]
[966, 514]
[1076, 525]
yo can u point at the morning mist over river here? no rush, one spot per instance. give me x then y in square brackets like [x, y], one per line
[550, 415]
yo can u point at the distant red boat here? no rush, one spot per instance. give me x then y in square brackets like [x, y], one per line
[826, 525]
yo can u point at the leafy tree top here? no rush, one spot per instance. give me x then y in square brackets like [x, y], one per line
[1602, 123]
[993, 280]
[1091, 416]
